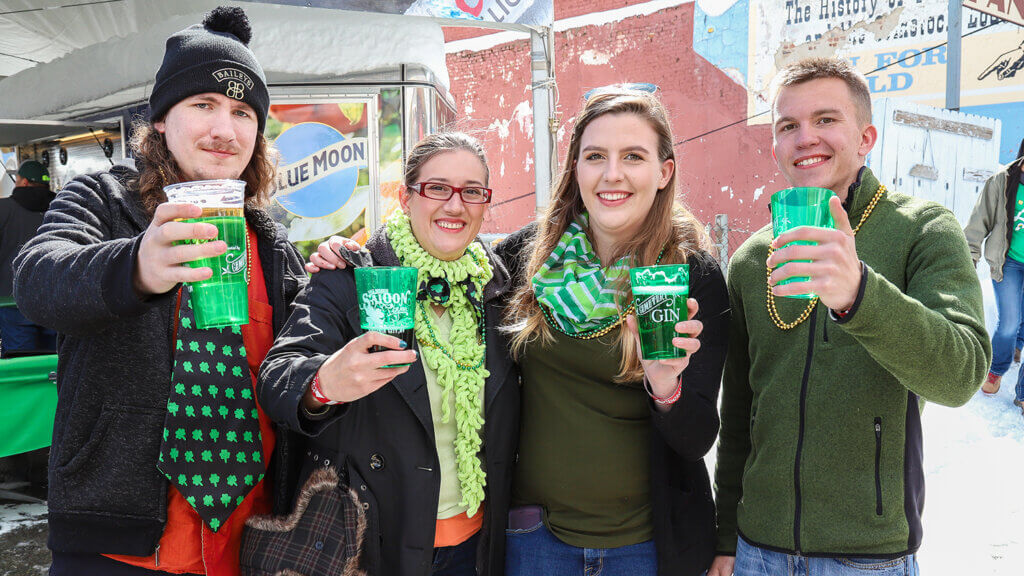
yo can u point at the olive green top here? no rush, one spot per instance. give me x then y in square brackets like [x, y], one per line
[584, 445]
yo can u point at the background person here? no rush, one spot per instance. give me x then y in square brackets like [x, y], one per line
[21, 213]
[998, 221]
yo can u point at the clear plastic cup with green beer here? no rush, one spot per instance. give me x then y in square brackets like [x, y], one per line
[795, 207]
[660, 294]
[222, 299]
[387, 302]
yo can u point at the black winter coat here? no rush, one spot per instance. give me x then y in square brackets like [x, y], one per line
[681, 500]
[384, 443]
[106, 495]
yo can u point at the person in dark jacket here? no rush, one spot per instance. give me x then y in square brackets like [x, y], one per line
[160, 451]
[20, 216]
[428, 447]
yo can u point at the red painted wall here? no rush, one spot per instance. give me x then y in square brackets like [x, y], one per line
[491, 89]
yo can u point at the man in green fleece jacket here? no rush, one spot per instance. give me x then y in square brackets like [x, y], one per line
[820, 455]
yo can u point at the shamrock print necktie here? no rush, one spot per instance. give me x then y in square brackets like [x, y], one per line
[212, 450]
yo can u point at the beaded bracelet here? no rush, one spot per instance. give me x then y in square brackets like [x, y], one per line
[318, 393]
[672, 398]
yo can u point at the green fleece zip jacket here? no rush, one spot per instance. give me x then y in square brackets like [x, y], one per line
[820, 452]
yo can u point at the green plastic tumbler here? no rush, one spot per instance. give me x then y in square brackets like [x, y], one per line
[387, 302]
[222, 299]
[660, 294]
[795, 207]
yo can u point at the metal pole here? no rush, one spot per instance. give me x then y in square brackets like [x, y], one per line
[953, 51]
[542, 59]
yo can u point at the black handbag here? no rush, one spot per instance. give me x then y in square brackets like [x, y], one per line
[322, 536]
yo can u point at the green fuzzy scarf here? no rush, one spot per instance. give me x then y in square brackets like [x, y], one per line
[465, 346]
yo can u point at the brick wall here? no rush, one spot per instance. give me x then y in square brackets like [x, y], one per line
[491, 89]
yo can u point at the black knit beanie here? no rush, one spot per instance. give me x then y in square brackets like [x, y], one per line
[212, 57]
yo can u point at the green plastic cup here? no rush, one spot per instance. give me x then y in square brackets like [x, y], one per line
[660, 294]
[795, 207]
[222, 299]
[387, 302]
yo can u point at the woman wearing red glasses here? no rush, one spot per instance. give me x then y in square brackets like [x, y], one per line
[429, 457]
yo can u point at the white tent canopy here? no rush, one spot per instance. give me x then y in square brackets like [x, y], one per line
[106, 54]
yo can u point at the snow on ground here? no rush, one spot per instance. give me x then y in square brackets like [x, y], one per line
[974, 479]
[14, 516]
[974, 472]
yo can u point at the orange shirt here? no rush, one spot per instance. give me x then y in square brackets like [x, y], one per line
[457, 529]
[188, 545]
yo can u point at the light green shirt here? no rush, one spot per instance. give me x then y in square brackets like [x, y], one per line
[1017, 239]
[444, 432]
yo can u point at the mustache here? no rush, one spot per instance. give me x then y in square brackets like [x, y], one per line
[219, 146]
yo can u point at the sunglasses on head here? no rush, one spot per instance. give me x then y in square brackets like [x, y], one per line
[621, 88]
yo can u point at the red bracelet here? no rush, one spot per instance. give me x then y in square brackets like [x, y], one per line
[318, 394]
[665, 401]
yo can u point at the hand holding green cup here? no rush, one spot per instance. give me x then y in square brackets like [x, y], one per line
[794, 207]
[660, 294]
[387, 302]
[222, 299]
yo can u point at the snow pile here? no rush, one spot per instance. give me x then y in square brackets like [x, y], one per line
[974, 471]
[13, 516]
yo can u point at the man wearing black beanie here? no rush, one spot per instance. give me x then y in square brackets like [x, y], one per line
[157, 460]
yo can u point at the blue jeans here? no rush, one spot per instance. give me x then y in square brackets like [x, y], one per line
[1010, 304]
[754, 561]
[458, 560]
[536, 550]
[18, 334]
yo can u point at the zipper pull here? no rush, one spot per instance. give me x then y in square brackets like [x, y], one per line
[156, 556]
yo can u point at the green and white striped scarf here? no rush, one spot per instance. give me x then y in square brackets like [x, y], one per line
[572, 285]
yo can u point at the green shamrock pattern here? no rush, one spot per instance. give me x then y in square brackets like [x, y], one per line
[212, 449]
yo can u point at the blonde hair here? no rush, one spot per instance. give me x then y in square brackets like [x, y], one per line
[669, 226]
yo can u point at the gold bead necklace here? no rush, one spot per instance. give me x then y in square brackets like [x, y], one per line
[772, 312]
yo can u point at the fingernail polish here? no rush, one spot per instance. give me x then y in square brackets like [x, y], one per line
[402, 344]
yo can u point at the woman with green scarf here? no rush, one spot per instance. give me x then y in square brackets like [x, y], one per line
[610, 476]
[427, 448]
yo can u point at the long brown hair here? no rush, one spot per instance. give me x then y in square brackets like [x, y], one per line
[669, 225]
[157, 168]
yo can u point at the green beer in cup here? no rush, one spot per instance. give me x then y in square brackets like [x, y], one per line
[222, 299]
[387, 302]
[795, 207]
[660, 294]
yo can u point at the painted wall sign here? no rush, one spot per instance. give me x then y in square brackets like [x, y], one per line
[899, 44]
[1009, 10]
[319, 171]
